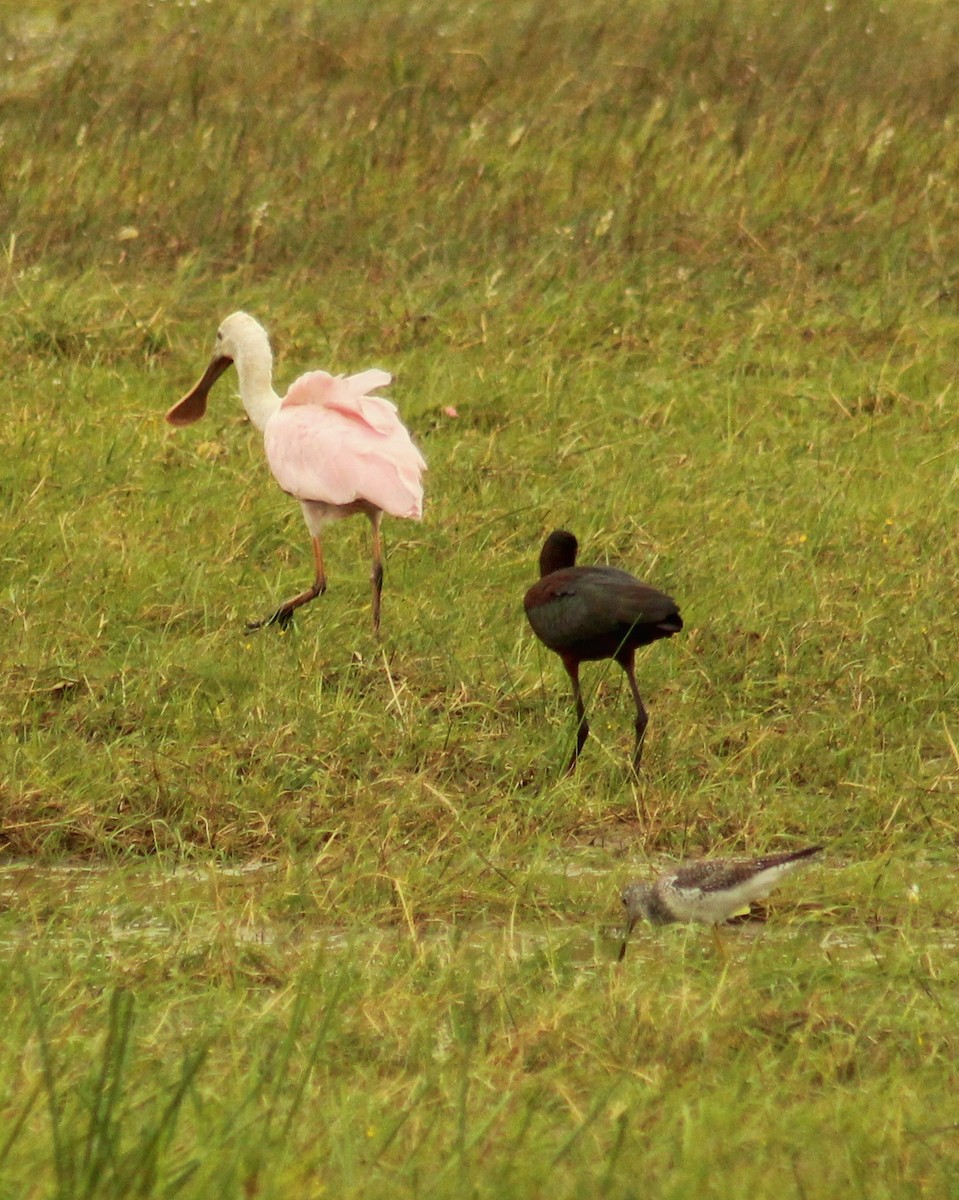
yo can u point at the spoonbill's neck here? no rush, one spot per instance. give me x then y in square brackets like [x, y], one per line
[254, 366]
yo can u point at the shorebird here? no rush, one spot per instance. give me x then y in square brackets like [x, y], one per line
[331, 444]
[709, 891]
[588, 613]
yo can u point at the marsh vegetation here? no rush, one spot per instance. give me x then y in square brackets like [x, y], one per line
[316, 913]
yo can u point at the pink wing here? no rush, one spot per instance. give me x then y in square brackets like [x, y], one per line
[331, 441]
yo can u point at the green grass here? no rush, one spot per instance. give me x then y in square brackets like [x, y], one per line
[316, 913]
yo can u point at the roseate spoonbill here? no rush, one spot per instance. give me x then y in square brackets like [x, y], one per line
[710, 891]
[329, 443]
[588, 613]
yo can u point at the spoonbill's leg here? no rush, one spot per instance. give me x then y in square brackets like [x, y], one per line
[284, 614]
[376, 575]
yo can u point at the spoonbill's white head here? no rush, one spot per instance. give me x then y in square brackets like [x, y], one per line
[240, 340]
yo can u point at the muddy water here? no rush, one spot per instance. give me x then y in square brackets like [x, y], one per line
[143, 901]
[248, 904]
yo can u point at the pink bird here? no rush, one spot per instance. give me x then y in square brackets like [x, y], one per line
[329, 443]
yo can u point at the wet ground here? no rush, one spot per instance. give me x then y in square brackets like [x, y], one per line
[261, 903]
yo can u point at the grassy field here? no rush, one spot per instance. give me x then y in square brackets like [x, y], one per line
[316, 913]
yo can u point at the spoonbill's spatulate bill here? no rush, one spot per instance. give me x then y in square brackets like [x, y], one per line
[330, 443]
[709, 891]
[589, 613]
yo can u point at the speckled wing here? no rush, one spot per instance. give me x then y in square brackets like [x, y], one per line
[718, 875]
[756, 877]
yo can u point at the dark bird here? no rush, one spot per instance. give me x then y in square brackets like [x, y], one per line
[589, 613]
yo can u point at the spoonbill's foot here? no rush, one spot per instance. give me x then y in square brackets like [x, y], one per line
[282, 617]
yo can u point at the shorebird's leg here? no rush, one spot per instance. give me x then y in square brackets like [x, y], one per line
[284, 614]
[582, 725]
[719, 943]
[376, 575]
[630, 922]
[642, 720]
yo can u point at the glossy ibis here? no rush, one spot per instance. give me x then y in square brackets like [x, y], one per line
[330, 444]
[590, 613]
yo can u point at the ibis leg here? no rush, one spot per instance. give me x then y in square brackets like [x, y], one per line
[284, 614]
[582, 725]
[642, 720]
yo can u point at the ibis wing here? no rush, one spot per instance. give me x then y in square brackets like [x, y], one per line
[628, 600]
[581, 604]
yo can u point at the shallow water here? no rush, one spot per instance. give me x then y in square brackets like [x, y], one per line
[154, 903]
